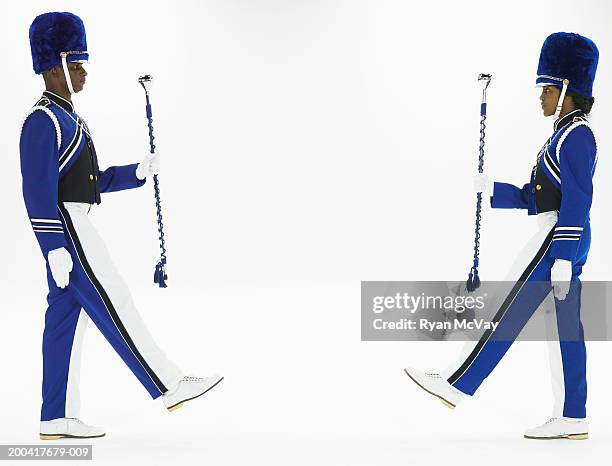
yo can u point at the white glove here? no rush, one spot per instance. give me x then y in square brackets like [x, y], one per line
[60, 264]
[148, 167]
[483, 184]
[560, 276]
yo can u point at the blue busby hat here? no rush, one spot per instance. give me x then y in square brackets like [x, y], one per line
[57, 37]
[568, 57]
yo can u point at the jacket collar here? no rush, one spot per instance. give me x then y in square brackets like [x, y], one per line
[56, 99]
[561, 122]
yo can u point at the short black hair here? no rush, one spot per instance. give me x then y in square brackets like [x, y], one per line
[583, 103]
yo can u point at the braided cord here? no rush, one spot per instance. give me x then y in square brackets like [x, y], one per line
[160, 276]
[473, 281]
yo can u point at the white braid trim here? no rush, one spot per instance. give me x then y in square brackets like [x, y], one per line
[58, 131]
[571, 127]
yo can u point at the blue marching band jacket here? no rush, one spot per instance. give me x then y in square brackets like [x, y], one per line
[561, 180]
[59, 164]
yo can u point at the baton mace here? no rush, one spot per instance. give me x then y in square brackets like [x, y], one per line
[473, 280]
[160, 275]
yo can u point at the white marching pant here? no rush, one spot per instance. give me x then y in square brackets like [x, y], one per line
[96, 292]
[546, 221]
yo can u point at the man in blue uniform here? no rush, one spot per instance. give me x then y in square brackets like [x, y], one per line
[559, 195]
[61, 183]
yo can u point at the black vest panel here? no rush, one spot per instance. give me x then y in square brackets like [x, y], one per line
[80, 183]
[547, 196]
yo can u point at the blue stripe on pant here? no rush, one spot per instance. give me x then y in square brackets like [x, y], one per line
[102, 294]
[523, 300]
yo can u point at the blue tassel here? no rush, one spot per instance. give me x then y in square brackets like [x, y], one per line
[160, 276]
[473, 281]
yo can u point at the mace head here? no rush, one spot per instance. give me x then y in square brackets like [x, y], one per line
[146, 81]
[484, 79]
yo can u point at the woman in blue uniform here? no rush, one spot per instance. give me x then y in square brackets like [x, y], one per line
[559, 195]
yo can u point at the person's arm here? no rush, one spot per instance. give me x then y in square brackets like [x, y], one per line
[119, 178]
[40, 171]
[129, 176]
[508, 196]
[577, 156]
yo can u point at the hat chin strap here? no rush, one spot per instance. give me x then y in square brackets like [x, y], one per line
[67, 74]
[561, 98]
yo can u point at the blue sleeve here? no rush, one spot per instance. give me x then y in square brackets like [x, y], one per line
[40, 171]
[577, 163]
[119, 178]
[508, 196]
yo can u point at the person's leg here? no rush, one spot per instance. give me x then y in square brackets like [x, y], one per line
[568, 357]
[65, 324]
[103, 294]
[522, 261]
[567, 353]
[567, 349]
[524, 298]
[514, 311]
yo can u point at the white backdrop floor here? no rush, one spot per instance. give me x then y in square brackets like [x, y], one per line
[292, 396]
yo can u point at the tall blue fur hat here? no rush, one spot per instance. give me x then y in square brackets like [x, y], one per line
[54, 33]
[568, 56]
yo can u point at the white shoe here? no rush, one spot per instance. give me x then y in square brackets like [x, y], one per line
[67, 427]
[560, 428]
[187, 389]
[435, 385]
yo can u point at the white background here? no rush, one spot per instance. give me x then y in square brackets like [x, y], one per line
[307, 145]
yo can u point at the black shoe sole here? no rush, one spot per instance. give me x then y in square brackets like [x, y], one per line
[582, 436]
[61, 436]
[176, 406]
